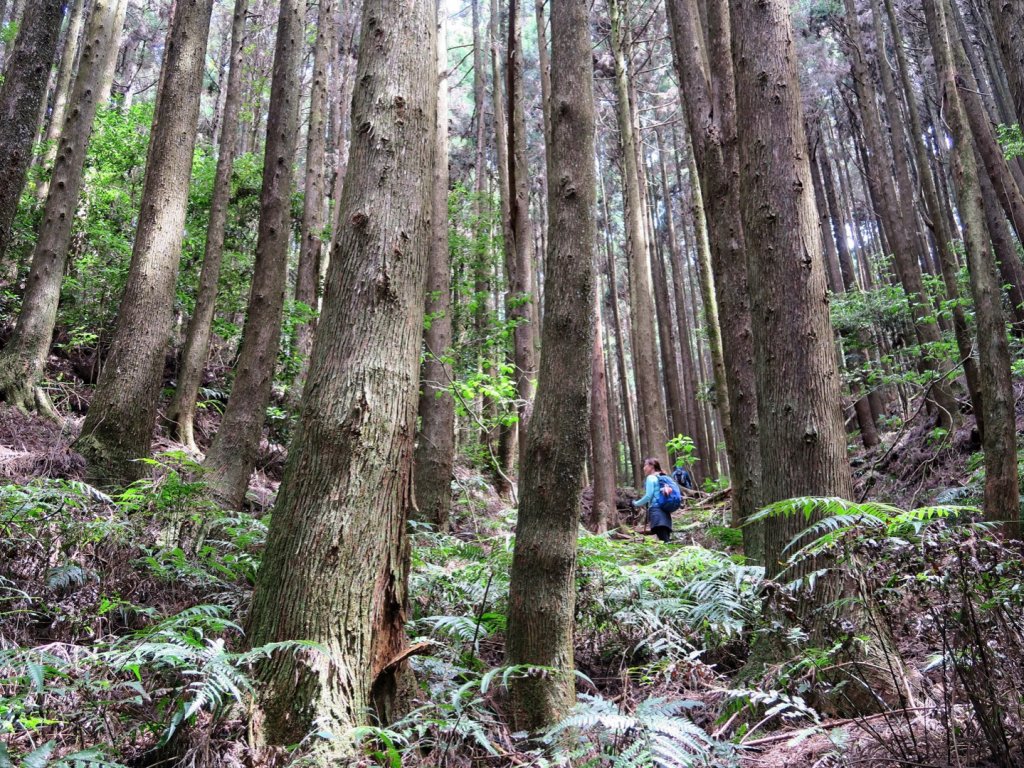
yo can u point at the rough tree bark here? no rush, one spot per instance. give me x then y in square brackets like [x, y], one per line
[346, 488]
[182, 412]
[118, 429]
[542, 589]
[710, 111]
[21, 364]
[803, 443]
[26, 75]
[435, 440]
[1002, 496]
[232, 456]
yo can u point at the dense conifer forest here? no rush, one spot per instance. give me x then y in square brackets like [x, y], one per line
[612, 384]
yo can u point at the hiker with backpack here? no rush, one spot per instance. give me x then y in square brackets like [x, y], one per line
[661, 498]
[683, 478]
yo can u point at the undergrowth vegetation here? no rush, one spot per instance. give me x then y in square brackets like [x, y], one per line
[122, 642]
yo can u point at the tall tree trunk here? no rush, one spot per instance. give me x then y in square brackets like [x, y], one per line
[651, 399]
[26, 75]
[803, 443]
[542, 589]
[710, 111]
[892, 205]
[600, 429]
[346, 489]
[520, 279]
[314, 215]
[61, 91]
[632, 446]
[182, 412]
[1002, 496]
[118, 429]
[943, 237]
[22, 361]
[435, 441]
[1008, 20]
[232, 456]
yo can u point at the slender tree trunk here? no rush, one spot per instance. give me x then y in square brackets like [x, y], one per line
[632, 446]
[232, 456]
[182, 412]
[892, 205]
[542, 589]
[26, 75]
[803, 443]
[600, 430]
[943, 237]
[520, 284]
[22, 361]
[346, 490]
[435, 441]
[1010, 269]
[61, 91]
[1008, 21]
[651, 400]
[118, 429]
[314, 215]
[1002, 497]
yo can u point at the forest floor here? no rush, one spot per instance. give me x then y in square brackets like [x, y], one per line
[89, 583]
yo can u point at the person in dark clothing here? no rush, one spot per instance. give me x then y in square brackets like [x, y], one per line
[682, 477]
[660, 520]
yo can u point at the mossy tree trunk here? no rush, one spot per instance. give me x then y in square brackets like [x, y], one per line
[1002, 495]
[22, 361]
[118, 429]
[26, 75]
[335, 566]
[542, 589]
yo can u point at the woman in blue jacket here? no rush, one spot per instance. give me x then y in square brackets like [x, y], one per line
[660, 520]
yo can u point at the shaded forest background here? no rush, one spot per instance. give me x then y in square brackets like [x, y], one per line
[334, 337]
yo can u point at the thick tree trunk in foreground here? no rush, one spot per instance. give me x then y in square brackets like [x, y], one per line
[803, 443]
[435, 441]
[346, 489]
[26, 75]
[232, 456]
[542, 590]
[182, 412]
[22, 361]
[62, 90]
[710, 111]
[1002, 496]
[118, 429]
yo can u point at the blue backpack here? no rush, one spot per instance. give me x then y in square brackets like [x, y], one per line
[671, 500]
